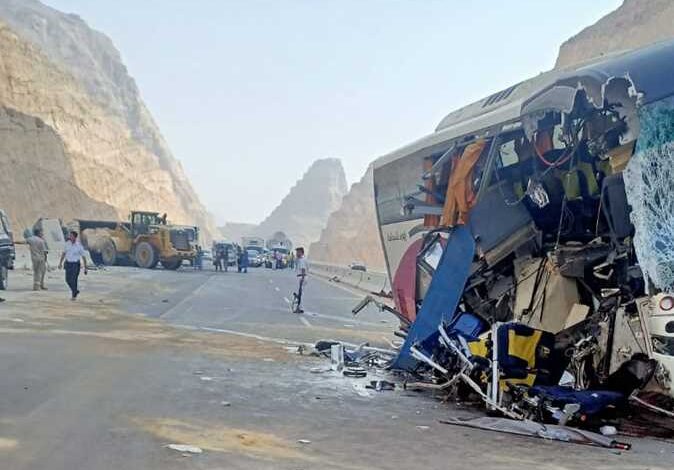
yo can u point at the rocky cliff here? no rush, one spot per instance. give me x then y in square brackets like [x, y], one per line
[303, 213]
[351, 232]
[233, 231]
[69, 79]
[634, 24]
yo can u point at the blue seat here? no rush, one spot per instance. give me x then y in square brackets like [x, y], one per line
[591, 402]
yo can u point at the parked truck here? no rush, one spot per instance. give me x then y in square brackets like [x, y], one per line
[145, 240]
[7, 253]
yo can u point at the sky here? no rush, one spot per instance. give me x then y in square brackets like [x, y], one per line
[249, 93]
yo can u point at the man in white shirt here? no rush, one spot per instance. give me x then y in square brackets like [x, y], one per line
[301, 268]
[73, 253]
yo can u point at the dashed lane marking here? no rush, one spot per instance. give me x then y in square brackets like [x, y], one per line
[305, 321]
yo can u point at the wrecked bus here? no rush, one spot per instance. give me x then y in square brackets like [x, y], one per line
[549, 204]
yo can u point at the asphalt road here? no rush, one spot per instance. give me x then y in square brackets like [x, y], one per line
[256, 303]
[109, 381]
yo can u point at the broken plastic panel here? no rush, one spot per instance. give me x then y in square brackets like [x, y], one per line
[648, 183]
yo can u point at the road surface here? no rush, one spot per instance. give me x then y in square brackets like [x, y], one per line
[109, 381]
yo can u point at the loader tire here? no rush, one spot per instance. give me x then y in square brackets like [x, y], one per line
[146, 256]
[109, 253]
[171, 263]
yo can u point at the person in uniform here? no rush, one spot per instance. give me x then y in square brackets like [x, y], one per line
[38, 255]
[72, 254]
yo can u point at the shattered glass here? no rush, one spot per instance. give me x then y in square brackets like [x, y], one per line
[649, 186]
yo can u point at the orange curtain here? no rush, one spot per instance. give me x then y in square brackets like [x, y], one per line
[460, 195]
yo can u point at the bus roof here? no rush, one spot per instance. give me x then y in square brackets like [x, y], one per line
[650, 68]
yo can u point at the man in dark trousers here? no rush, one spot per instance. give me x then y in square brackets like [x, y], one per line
[72, 254]
[302, 269]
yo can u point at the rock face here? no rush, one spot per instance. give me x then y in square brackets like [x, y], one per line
[636, 23]
[233, 231]
[303, 213]
[57, 71]
[351, 233]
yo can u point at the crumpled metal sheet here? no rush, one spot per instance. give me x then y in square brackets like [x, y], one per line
[648, 184]
[442, 298]
[533, 429]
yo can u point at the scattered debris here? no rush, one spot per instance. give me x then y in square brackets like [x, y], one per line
[225, 403]
[533, 429]
[185, 448]
[380, 385]
[206, 379]
[355, 372]
[304, 441]
[423, 428]
[608, 430]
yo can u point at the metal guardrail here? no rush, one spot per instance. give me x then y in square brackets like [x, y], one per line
[368, 281]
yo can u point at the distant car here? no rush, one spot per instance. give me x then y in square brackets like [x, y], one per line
[255, 256]
[358, 267]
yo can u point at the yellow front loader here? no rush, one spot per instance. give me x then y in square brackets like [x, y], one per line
[145, 241]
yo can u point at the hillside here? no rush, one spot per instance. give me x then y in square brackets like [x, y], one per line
[99, 153]
[304, 211]
[634, 24]
[351, 231]
[233, 231]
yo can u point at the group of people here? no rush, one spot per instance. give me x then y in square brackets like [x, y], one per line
[72, 260]
[221, 259]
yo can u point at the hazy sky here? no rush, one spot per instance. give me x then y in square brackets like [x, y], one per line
[248, 93]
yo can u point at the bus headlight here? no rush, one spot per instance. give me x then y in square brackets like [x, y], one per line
[666, 303]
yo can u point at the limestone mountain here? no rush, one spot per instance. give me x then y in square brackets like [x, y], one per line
[304, 211]
[99, 153]
[233, 231]
[351, 233]
[636, 23]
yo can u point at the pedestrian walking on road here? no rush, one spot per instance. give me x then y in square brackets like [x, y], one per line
[302, 269]
[73, 253]
[244, 260]
[199, 259]
[38, 255]
[225, 257]
[218, 258]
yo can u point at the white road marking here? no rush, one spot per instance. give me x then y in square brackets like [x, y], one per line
[277, 289]
[187, 298]
[287, 300]
[305, 321]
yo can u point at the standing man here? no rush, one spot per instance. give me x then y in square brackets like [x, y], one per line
[217, 257]
[73, 253]
[38, 255]
[302, 269]
[225, 257]
[199, 259]
[244, 260]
